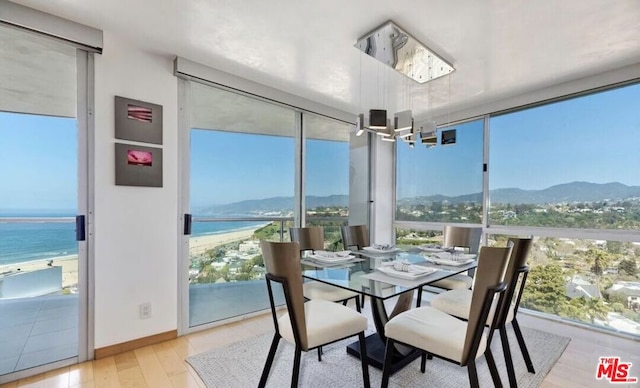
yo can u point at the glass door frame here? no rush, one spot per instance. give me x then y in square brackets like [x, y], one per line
[85, 87]
[184, 168]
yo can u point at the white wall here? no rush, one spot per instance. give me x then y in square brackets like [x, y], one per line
[382, 185]
[135, 227]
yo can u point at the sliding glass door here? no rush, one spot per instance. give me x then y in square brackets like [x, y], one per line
[241, 190]
[254, 170]
[42, 192]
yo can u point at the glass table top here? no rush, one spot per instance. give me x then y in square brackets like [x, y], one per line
[362, 274]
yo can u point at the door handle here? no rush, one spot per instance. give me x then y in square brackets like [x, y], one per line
[187, 224]
[80, 228]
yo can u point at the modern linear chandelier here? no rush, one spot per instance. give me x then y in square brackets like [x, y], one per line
[395, 48]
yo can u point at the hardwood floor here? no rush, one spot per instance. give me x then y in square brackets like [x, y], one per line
[163, 365]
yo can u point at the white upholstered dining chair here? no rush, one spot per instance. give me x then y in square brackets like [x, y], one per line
[460, 237]
[458, 303]
[439, 334]
[306, 325]
[311, 238]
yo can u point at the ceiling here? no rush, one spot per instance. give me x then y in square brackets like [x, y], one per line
[499, 49]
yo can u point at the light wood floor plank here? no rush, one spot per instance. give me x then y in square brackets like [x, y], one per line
[169, 359]
[32, 382]
[58, 378]
[151, 368]
[183, 347]
[126, 361]
[81, 373]
[85, 384]
[164, 365]
[132, 378]
[105, 373]
[185, 380]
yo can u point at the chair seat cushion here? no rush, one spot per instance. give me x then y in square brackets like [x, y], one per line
[454, 282]
[454, 302]
[326, 322]
[319, 290]
[458, 304]
[432, 330]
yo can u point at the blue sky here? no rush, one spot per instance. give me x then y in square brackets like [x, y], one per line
[229, 167]
[38, 162]
[593, 138]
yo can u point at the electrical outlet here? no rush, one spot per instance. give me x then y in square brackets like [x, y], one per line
[145, 310]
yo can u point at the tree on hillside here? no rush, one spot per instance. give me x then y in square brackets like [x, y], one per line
[574, 309]
[614, 246]
[545, 289]
[628, 266]
[596, 309]
[599, 260]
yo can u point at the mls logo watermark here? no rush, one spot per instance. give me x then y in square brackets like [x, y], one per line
[614, 370]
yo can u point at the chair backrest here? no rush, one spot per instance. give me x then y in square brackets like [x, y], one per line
[282, 263]
[355, 236]
[461, 236]
[517, 267]
[489, 280]
[310, 238]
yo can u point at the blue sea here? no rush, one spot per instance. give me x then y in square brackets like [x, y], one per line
[40, 241]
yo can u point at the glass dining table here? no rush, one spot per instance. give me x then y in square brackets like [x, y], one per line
[374, 274]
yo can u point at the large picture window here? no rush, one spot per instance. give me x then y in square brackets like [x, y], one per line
[442, 183]
[326, 183]
[569, 164]
[564, 173]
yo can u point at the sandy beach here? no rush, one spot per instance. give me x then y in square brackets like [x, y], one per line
[197, 245]
[69, 266]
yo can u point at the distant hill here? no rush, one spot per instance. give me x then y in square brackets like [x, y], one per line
[275, 204]
[566, 192]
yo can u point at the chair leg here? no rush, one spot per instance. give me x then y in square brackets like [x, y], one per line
[344, 302]
[423, 362]
[491, 362]
[358, 307]
[362, 300]
[363, 359]
[319, 353]
[473, 374]
[419, 301]
[296, 367]
[523, 346]
[267, 365]
[507, 357]
[386, 369]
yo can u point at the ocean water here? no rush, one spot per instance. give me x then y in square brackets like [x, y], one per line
[41, 241]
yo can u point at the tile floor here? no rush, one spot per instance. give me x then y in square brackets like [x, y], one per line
[37, 331]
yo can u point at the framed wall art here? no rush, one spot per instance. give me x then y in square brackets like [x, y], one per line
[138, 120]
[138, 166]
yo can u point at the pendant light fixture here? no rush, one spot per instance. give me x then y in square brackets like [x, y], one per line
[394, 47]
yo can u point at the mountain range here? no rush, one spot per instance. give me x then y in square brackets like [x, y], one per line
[275, 204]
[566, 192]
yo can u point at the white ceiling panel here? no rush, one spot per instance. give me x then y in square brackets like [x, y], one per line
[499, 49]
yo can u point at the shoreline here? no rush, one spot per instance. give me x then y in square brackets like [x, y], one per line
[69, 264]
[197, 245]
[200, 244]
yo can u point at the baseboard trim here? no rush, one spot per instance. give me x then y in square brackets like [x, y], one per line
[112, 350]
